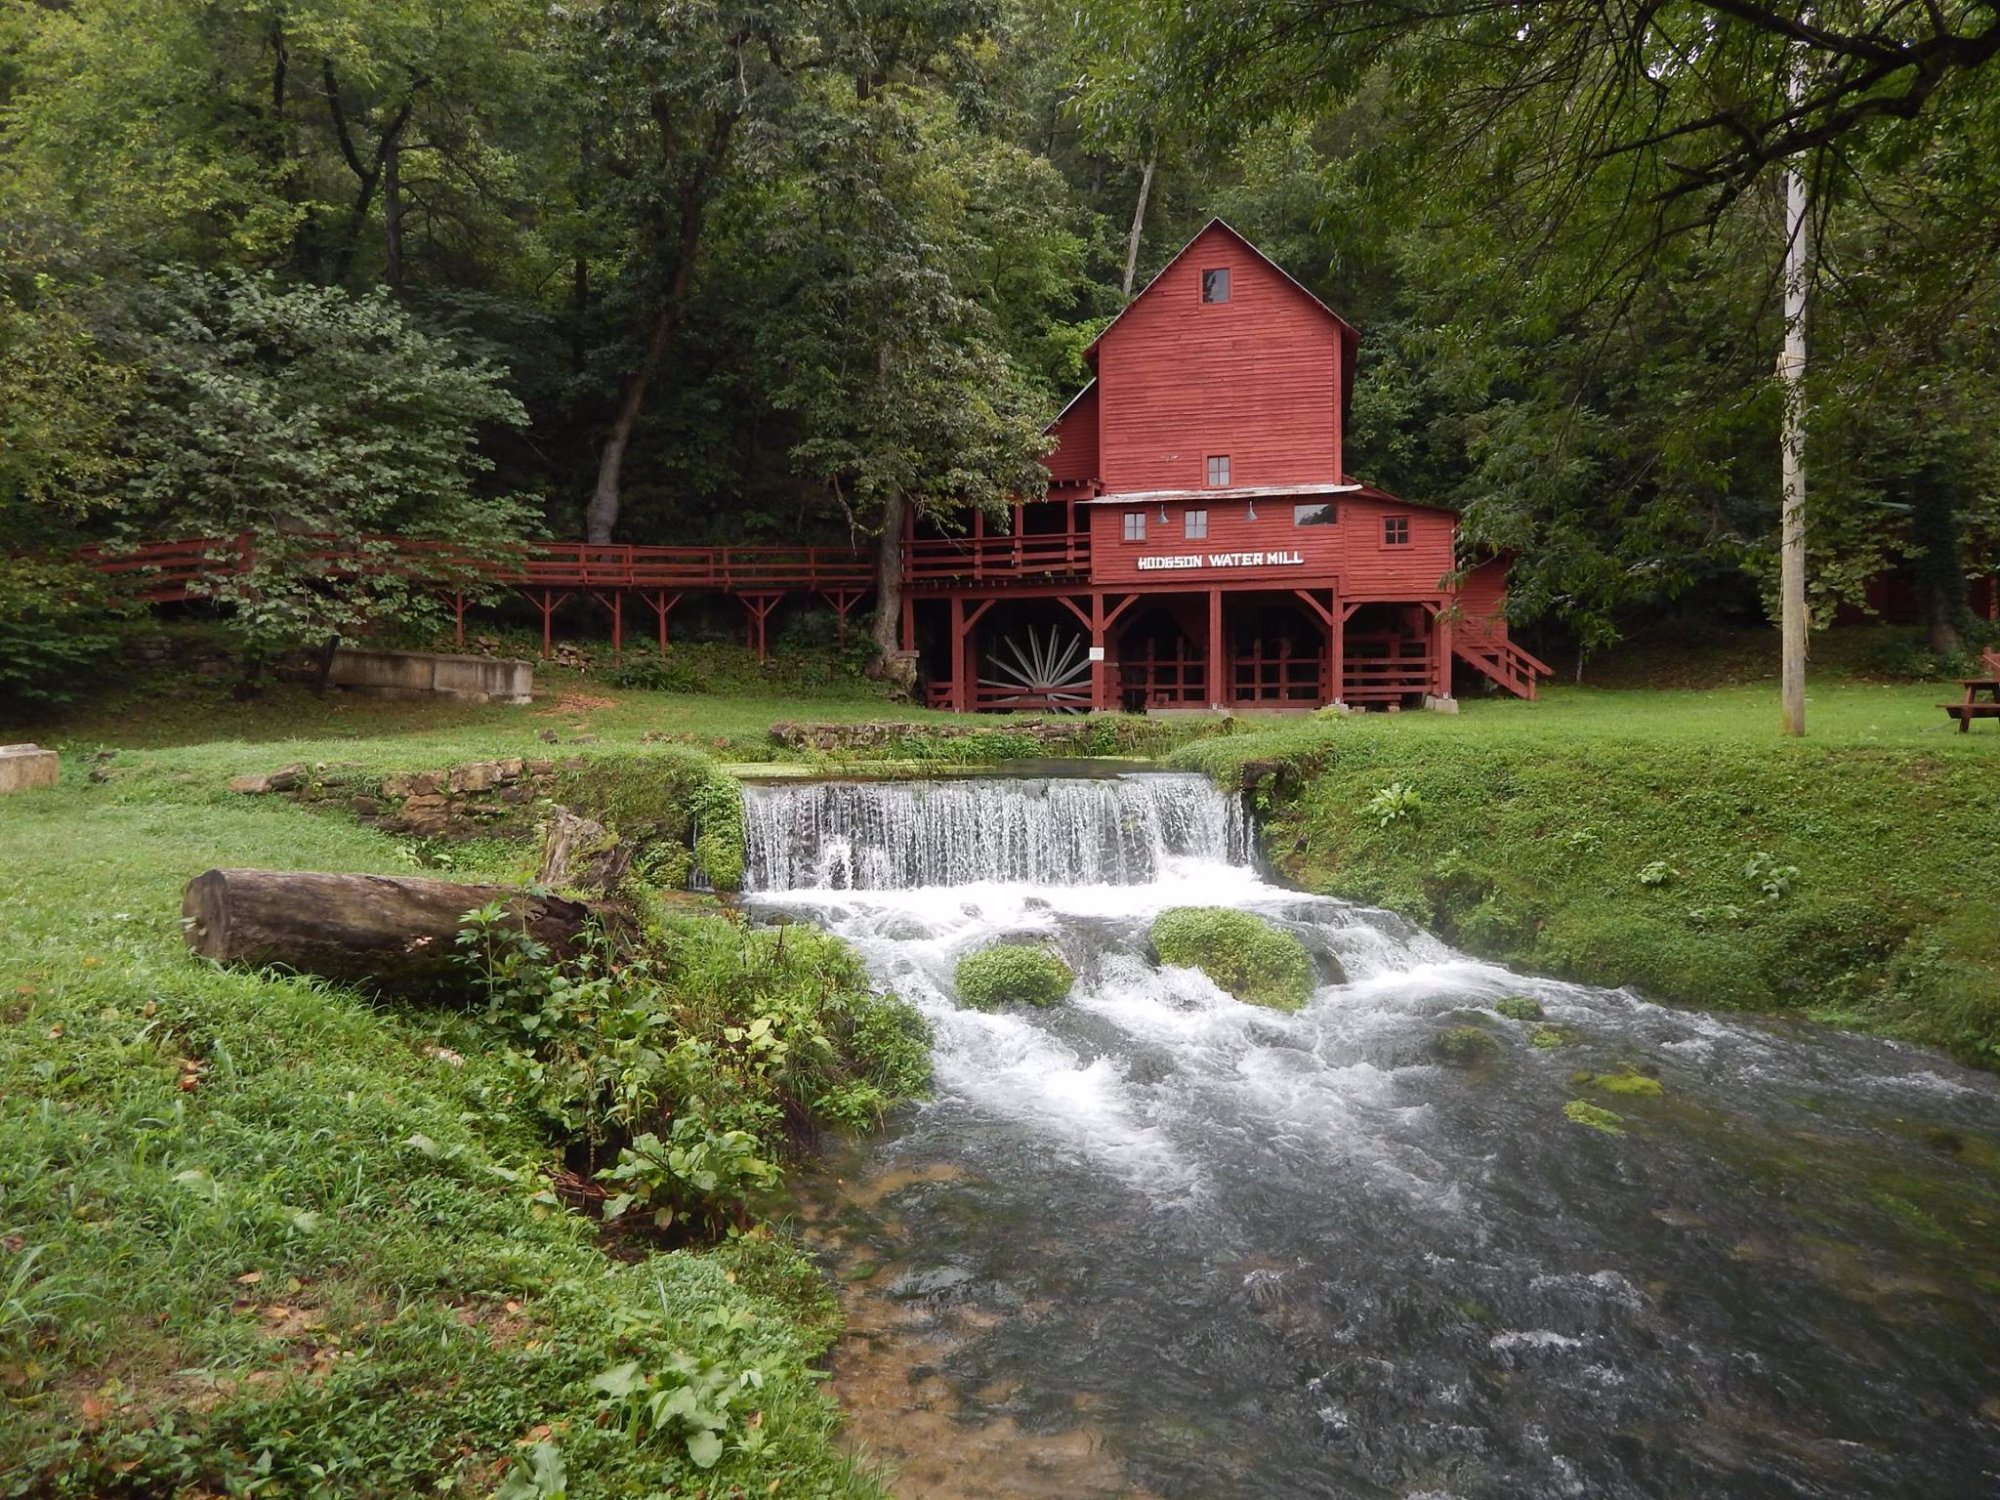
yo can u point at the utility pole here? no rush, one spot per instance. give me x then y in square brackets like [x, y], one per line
[1792, 448]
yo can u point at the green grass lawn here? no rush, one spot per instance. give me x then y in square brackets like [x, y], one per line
[261, 1237]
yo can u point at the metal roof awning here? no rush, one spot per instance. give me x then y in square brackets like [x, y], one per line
[1222, 492]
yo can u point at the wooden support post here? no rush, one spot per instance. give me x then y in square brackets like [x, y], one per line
[1099, 668]
[758, 609]
[908, 633]
[548, 601]
[959, 688]
[1336, 651]
[662, 605]
[1442, 688]
[458, 617]
[1219, 684]
[842, 601]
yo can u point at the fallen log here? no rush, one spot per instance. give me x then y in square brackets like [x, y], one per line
[391, 933]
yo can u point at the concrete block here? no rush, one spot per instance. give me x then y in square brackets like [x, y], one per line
[1439, 705]
[410, 674]
[27, 768]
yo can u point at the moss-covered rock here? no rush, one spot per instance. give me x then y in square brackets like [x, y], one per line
[1519, 1007]
[1583, 1112]
[1245, 955]
[1548, 1038]
[1464, 1047]
[1627, 1081]
[1013, 974]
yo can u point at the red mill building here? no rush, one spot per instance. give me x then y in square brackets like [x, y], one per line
[1202, 544]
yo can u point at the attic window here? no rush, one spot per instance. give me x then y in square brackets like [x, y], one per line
[1395, 531]
[1215, 285]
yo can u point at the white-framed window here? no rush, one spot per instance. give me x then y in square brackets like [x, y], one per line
[1135, 526]
[1395, 531]
[1323, 514]
[1218, 469]
[1194, 525]
[1215, 285]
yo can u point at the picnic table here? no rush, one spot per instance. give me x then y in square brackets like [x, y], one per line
[1972, 706]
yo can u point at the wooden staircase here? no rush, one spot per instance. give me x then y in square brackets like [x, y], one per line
[1504, 662]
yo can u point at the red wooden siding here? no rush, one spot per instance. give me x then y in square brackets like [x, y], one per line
[1350, 554]
[1481, 599]
[1074, 458]
[1256, 378]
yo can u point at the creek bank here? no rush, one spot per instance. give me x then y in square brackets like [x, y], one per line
[671, 808]
[1858, 886]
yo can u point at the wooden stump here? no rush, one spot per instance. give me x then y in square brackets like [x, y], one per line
[390, 933]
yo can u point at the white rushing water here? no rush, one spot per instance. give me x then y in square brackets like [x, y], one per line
[1296, 1254]
[906, 835]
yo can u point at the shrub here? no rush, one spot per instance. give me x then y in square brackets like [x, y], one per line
[1245, 955]
[1013, 974]
[646, 671]
[55, 628]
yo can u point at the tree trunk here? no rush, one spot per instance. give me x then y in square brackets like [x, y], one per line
[1138, 226]
[392, 213]
[601, 519]
[392, 934]
[323, 668]
[1793, 618]
[889, 595]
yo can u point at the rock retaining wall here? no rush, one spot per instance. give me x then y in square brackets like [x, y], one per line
[478, 800]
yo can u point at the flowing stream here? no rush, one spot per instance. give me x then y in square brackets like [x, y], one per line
[1158, 1243]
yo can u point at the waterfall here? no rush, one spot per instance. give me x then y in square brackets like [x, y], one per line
[902, 835]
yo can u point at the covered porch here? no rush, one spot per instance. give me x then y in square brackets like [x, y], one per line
[1192, 648]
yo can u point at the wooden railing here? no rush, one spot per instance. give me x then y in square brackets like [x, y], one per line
[997, 559]
[605, 566]
[1151, 680]
[171, 570]
[1277, 674]
[1503, 662]
[1382, 669]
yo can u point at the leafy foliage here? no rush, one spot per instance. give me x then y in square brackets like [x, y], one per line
[686, 1068]
[57, 626]
[317, 423]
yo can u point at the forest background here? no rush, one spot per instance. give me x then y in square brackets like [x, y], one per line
[771, 270]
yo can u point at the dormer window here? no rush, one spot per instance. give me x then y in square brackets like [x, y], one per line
[1215, 285]
[1218, 470]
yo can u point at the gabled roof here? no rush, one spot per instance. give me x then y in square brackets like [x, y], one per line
[1350, 337]
[1088, 386]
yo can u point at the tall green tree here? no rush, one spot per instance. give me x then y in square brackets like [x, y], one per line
[325, 430]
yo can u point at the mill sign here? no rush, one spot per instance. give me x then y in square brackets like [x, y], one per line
[1177, 560]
